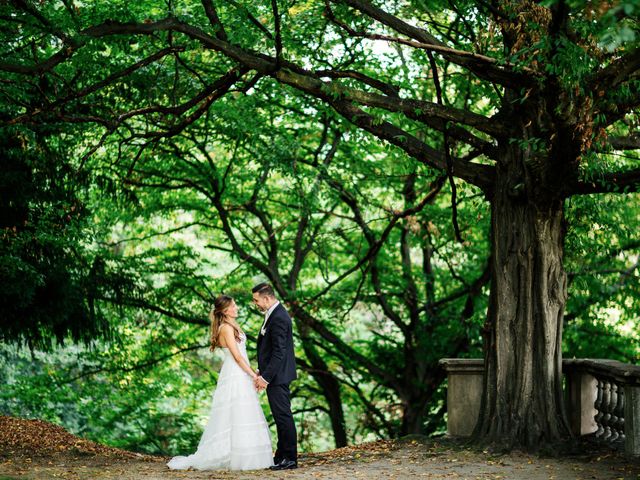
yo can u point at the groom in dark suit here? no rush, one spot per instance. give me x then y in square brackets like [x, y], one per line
[277, 368]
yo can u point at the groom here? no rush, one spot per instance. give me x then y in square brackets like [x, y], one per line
[277, 368]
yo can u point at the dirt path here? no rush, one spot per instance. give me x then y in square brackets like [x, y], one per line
[37, 450]
[379, 460]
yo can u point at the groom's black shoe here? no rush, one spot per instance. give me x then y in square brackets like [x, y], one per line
[285, 464]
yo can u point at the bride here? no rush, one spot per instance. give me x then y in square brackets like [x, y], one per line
[237, 435]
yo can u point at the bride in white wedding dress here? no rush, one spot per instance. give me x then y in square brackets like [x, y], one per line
[236, 436]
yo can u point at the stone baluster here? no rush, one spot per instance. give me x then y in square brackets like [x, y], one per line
[620, 413]
[606, 410]
[602, 398]
[613, 417]
[598, 406]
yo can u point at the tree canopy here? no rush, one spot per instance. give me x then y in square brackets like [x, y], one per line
[396, 170]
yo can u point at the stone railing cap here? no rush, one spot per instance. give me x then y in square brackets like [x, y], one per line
[622, 372]
[625, 373]
[462, 365]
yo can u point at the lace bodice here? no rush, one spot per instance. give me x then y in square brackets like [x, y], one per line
[242, 346]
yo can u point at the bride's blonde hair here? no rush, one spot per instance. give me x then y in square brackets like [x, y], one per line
[217, 318]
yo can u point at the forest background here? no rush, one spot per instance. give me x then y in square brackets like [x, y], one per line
[118, 234]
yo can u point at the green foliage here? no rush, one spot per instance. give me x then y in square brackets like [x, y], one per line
[135, 393]
[144, 211]
[602, 263]
[620, 25]
[48, 290]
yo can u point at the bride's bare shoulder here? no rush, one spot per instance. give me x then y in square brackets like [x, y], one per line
[225, 328]
[224, 332]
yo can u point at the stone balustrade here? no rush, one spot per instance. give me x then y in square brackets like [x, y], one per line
[603, 399]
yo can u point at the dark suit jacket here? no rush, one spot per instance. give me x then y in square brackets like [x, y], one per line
[276, 359]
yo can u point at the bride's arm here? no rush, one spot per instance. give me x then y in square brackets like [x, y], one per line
[227, 333]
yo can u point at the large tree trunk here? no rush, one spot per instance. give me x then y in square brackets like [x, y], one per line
[412, 417]
[331, 388]
[522, 403]
[329, 384]
[415, 400]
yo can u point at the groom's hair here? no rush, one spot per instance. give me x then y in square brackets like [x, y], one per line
[264, 289]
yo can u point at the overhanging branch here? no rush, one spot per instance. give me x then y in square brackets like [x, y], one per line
[480, 175]
[476, 174]
[617, 72]
[618, 182]
[632, 142]
[212, 15]
[483, 67]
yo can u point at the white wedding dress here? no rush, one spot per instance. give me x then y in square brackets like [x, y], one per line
[237, 435]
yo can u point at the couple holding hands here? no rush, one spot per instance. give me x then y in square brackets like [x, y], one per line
[237, 436]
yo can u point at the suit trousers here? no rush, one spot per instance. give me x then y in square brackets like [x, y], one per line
[280, 402]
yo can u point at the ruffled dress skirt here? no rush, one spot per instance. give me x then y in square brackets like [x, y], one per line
[237, 435]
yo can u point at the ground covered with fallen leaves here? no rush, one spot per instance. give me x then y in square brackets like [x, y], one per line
[33, 449]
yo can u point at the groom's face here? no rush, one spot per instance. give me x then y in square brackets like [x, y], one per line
[261, 301]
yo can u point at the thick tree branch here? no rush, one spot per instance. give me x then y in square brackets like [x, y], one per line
[301, 251]
[429, 113]
[483, 67]
[616, 73]
[293, 75]
[420, 110]
[476, 174]
[212, 15]
[145, 305]
[44, 66]
[618, 182]
[346, 350]
[480, 175]
[276, 22]
[138, 366]
[386, 88]
[632, 142]
[251, 18]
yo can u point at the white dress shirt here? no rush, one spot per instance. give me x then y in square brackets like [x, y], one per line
[263, 330]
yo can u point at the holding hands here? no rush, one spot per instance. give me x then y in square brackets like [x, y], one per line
[258, 382]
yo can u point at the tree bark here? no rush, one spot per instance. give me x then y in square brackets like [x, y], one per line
[412, 417]
[331, 390]
[329, 384]
[522, 403]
